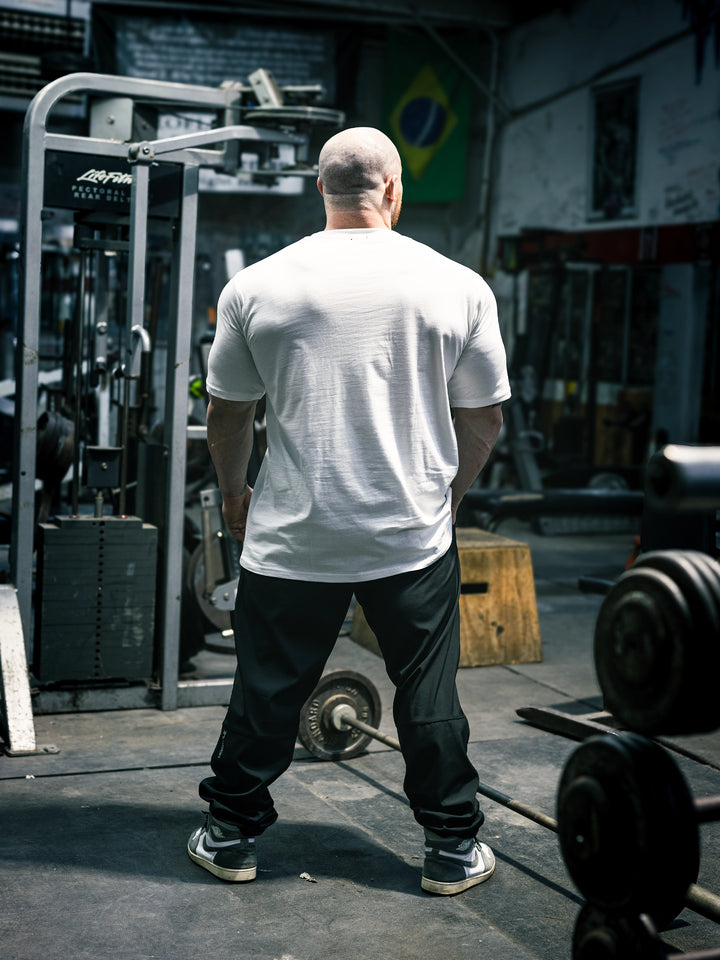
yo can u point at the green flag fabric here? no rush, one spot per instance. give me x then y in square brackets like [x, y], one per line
[427, 115]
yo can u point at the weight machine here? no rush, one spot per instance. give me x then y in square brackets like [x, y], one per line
[156, 173]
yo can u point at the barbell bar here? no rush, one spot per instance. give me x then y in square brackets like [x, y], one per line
[331, 713]
[343, 713]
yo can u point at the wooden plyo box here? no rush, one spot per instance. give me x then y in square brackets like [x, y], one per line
[498, 610]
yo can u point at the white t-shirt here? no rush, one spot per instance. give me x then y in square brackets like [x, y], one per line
[361, 341]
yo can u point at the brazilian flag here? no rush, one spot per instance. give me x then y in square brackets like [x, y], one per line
[427, 115]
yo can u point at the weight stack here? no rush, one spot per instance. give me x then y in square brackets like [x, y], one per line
[95, 599]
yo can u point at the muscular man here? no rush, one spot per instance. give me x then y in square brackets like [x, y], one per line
[383, 371]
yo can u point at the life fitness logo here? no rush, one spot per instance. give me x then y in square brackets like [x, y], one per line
[103, 185]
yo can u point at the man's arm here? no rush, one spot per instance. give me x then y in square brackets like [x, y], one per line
[476, 429]
[230, 440]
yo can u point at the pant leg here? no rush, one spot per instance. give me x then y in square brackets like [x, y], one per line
[284, 632]
[415, 617]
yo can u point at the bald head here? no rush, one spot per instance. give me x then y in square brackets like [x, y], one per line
[355, 167]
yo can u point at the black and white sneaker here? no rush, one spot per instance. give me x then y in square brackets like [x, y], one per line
[453, 865]
[223, 850]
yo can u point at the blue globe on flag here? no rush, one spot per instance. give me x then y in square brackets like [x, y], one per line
[422, 121]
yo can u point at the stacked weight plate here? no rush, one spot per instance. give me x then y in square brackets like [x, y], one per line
[657, 644]
[627, 822]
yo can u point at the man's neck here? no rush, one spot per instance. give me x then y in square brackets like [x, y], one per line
[356, 220]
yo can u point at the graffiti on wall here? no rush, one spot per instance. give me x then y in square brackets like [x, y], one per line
[680, 202]
[686, 133]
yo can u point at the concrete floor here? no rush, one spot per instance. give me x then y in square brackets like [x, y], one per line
[93, 862]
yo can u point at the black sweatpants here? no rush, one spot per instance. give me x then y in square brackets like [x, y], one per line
[285, 631]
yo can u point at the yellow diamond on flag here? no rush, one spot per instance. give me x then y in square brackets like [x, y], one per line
[422, 121]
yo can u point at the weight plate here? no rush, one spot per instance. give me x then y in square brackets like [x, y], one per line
[691, 578]
[627, 826]
[318, 734]
[295, 114]
[642, 651]
[217, 618]
[707, 643]
[604, 935]
[711, 570]
[696, 714]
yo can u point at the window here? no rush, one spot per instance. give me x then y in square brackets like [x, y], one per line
[614, 151]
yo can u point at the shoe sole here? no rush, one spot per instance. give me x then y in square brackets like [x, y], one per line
[224, 873]
[447, 889]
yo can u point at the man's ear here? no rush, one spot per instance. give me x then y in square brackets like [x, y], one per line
[391, 188]
[320, 187]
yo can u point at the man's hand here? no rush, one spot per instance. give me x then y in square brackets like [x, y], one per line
[235, 513]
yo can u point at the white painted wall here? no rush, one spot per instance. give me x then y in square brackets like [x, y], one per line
[543, 165]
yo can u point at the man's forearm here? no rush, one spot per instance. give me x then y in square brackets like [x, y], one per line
[230, 441]
[476, 430]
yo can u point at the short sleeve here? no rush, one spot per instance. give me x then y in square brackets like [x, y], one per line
[480, 377]
[232, 374]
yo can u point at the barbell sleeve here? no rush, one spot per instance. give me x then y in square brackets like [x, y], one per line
[707, 809]
[703, 901]
[344, 715]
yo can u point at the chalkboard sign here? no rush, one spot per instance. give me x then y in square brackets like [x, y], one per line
[207, 52]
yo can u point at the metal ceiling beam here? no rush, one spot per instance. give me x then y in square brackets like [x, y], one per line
[489, 14]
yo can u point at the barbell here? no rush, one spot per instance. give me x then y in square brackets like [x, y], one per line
[341, 717]
[620, 799]
[657, 644]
